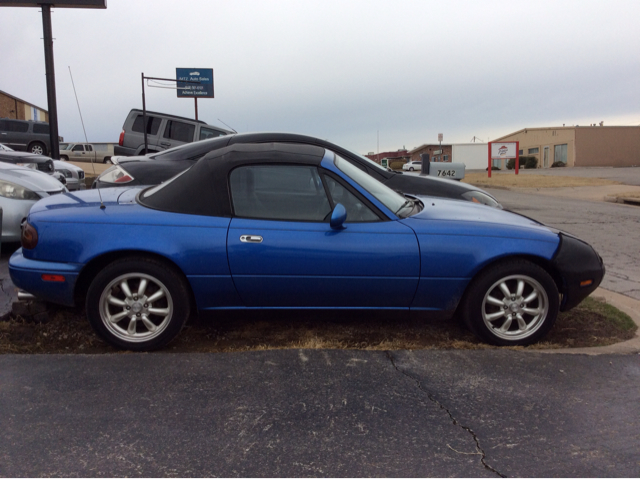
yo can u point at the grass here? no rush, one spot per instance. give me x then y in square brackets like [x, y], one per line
[510, 180]
[592, 323]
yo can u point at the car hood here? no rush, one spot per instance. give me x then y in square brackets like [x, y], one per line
[34, 180]
[444, 216]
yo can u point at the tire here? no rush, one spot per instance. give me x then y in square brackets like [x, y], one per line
[514, 303]
[107, 160]
[37, 148]
[145, 322]
[411, 169]
[64, 158]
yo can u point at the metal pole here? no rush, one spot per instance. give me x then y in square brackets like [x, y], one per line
[144, 118]
[51, 83]
[195, 100]
[489, 169]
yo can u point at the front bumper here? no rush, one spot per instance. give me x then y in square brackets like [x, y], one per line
[581, 270]
[27, 274]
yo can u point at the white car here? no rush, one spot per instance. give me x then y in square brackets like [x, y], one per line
[20, 189]
[412, 165]
[73, 175]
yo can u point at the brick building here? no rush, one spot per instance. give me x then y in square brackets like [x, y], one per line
[398, 155]
[13, 107]
[436, 152]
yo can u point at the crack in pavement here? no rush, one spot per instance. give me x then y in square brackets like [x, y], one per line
[453, 419]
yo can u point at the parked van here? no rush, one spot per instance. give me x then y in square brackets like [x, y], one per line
[25, 135]
[163, 132]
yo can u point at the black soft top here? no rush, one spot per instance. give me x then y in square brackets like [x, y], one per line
[204, 188]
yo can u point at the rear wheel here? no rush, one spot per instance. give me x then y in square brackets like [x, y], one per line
[37, 148]
[138, 304]
[512, 303]
[411, 169]
[64, 158]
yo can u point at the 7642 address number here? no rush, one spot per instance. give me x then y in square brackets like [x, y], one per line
[448, 173]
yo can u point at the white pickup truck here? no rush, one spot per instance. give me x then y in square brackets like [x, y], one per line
[99, 153]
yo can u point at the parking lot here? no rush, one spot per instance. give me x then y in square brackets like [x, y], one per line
[493, 413]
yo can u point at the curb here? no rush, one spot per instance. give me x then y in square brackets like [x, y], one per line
[623, 200]
[623, 303]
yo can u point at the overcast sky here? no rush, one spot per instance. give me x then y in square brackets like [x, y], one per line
[340, 70]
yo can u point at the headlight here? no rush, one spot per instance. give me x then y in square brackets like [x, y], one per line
[482, 198]
[16, 192]
[33, 166]
[115, 174]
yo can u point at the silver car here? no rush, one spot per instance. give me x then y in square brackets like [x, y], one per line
[20, 189]
[73, 175]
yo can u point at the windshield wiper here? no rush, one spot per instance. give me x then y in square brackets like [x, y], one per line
[405, 204]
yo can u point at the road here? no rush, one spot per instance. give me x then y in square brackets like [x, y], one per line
[321, 413]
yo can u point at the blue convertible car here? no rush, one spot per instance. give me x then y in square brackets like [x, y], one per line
[256, 226]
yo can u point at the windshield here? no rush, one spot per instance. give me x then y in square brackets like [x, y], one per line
[65, 146]
[392, 200]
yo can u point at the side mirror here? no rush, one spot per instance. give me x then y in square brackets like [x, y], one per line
[338, 217]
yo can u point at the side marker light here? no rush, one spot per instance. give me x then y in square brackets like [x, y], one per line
[55, 278]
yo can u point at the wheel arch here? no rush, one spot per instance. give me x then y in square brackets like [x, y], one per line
[546, 264]
[38, 142]
[93, 267]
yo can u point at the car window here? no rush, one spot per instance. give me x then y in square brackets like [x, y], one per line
[78, 148]
[88, 147]
[206, 133]
[17, 126]
[357, 211]
[279, 192]
[41, 128]
[153, 124]
[179, 131]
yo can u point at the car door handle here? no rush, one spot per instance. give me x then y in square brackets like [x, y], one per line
[250, 239]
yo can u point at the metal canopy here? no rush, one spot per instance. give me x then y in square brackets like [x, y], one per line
[55, 3]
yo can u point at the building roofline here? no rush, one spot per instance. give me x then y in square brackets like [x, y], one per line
[572, 127]
[23, 101]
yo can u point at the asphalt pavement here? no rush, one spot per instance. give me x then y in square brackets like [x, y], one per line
[320, 413]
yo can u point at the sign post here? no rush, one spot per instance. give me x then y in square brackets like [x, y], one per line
[506, 150]
[194, 83]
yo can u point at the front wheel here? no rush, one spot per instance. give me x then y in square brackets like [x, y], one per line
[511, 304]
[411, 169]
[107, 160]
[138, 304]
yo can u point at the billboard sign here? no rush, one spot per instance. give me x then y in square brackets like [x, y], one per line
[203, 89]
[507, 149]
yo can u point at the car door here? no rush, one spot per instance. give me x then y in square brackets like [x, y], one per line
[283, 253]
[77, 153]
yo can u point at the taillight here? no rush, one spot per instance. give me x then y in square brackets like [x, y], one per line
[121, 140]
[115, 174]
[29, 236]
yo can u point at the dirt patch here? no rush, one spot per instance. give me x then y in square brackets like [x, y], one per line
[591, 324]
[511, 180]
